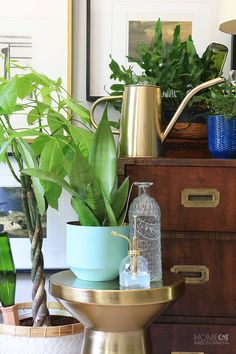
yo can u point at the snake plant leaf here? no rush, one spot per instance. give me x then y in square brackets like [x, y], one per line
[94, 200]
[81, 173]
[103, 155]
[30, 161]
[110, 219]
[119, 198]
[86, 216]
[82, 178]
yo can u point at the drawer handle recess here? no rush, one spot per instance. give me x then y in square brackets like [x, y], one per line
[200, 198]
[193, 274]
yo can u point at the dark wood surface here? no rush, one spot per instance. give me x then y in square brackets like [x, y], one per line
[191, 339]
[194, 236]
[171, 178]
[217, 297]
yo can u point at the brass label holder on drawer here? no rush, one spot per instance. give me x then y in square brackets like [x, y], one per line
[200, 198]
[187, 353]
[193, 274]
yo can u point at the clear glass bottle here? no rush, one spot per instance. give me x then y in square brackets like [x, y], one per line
[148, 228]
[7, 272]
[133, 272]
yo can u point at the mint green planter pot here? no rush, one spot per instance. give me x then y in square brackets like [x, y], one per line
[92, 253]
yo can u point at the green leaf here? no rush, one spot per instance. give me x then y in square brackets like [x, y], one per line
[83, 138]
[39, 143]
[111, 219]
[33, 116]
[56, 122]
[95, 202]
[24, 86]
[86, 217]
[1, 134]
[119, 199]
[51, 160]
[45, 92]
[103, 155]
[39, 173]
[8, 96]
[81, 173]
[78, 109]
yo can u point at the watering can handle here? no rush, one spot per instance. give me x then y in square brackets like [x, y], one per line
[103, 99]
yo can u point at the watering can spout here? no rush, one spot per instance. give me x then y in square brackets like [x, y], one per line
[184, 103]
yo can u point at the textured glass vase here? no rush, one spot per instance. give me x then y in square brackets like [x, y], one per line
[7, 272]
[148, 228]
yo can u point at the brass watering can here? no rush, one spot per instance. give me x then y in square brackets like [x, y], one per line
[140, 124]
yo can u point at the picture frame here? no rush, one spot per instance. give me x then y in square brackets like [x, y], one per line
[37, 34]
[110, 36]
[233, 60]
[55, 240]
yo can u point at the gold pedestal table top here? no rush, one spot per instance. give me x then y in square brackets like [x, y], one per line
[116, 321]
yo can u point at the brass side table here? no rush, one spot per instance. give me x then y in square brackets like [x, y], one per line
[116, 321]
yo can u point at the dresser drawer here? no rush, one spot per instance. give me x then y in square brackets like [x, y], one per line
[196, 196]
[208, 263]
[193, 339]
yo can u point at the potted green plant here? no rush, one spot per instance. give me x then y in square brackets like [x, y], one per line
[176, 67]
[91, 181]
[221, 121]
[56, 146]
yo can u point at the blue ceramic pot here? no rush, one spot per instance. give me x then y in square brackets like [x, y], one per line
[221, 137]
[92, 253]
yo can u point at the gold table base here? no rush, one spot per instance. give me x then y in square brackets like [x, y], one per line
[116, 321]
[96, 342]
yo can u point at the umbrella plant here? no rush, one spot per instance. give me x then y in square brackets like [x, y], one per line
[52, 154]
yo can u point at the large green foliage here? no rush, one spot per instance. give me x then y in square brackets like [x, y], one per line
[176, 67]
[61, 155]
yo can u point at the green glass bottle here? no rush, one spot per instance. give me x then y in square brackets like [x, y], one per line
[214, 59]
[7, 272]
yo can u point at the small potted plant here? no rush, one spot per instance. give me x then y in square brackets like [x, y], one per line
[221, 121]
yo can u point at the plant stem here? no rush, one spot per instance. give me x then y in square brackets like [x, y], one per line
[40, 312]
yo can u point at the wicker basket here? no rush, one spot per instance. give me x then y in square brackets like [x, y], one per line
[65, 339]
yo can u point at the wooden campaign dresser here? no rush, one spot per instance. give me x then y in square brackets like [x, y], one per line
[197, 198]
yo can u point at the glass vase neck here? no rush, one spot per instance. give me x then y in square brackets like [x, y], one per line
[143, 188]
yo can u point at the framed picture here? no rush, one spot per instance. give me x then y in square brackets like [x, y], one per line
[37, 34]
[234, 52]
[12, 220]
[114, 28]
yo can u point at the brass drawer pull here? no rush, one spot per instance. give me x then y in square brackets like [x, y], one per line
[187, 353]
[200, 198]
[193, 274]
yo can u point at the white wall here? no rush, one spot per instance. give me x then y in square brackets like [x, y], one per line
[79, 84]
